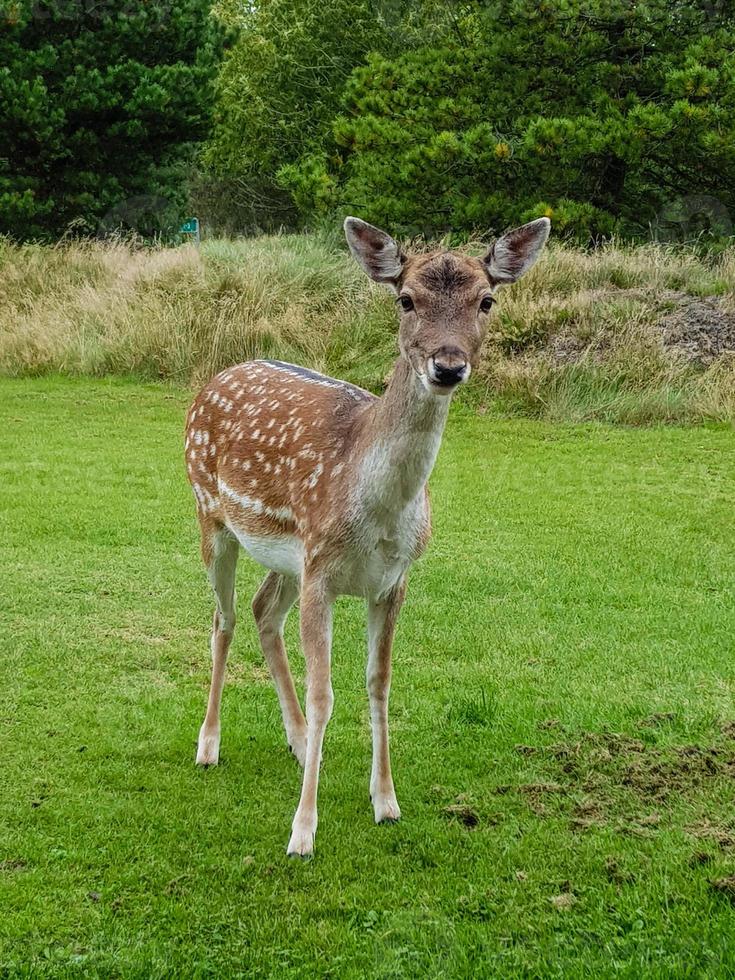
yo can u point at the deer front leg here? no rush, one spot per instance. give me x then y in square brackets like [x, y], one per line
[316, 639]
[382, 616]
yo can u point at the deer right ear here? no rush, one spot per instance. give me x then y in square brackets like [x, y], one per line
[514, 254]
[379, 255]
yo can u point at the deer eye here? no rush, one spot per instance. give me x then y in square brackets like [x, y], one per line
[406, 303]
[486, 303]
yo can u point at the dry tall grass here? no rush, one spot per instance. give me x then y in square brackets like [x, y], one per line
[580, 338]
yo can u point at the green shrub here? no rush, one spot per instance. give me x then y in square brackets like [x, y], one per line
[610, 117]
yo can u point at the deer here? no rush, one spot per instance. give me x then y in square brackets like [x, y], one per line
[325, 485]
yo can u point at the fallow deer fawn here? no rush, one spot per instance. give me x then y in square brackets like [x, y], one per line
[325, 485]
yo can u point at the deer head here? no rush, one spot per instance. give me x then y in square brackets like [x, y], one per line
[444, 298]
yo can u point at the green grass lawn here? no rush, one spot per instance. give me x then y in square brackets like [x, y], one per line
[564, 679]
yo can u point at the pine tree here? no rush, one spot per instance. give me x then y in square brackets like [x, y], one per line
[608, 115]
[101, 106]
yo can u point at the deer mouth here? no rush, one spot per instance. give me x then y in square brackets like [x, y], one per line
[442, 377]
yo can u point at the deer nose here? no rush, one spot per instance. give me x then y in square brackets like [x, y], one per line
[448, 367]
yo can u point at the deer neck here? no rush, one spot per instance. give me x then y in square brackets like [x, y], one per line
[401, 440]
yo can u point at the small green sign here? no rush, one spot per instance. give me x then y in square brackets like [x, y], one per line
[191, 226]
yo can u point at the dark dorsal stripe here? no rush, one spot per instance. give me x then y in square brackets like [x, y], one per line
[320, 379]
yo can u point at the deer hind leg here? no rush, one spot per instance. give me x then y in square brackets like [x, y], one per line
[219, 550]
[316, 639]
[382, 616]
[271, 606]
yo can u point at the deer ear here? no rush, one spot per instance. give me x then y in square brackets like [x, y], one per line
[514, 254]
[378, 254]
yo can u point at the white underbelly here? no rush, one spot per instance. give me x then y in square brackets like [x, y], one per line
[281, 553]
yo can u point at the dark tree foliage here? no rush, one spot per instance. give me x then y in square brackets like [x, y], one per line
[101, 105]
[600, 114]
[608, 115]
[278, 93]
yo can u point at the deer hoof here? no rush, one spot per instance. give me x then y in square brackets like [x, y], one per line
[208, 749]
[386, 810]
[301, 844]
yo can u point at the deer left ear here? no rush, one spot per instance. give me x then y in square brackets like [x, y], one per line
[379, 255]
[514, 254]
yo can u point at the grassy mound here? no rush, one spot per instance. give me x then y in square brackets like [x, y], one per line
[584, 336]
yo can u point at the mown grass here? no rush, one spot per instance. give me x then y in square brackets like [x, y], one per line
[182, 314]
[564, 684]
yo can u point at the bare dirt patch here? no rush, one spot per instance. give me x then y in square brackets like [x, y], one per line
[656, 775]
[12, 865]
[536, 793]
[564, 901]
[599, 779]
[723, 837]
[699, 329]
[587, 814]
[538, 789]
[463, 813]
[702, 329]
[618, 874]
[700, 858]
[550, 724]
[725, 886]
